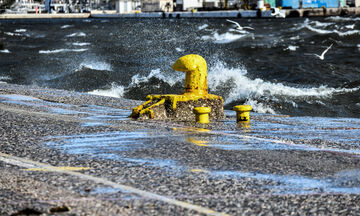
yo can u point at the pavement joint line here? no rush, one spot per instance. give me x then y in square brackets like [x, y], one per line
[22, 162]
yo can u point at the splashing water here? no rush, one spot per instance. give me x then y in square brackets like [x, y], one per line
[203, 27]
[115, 91]
[223, 38]
[254, 89]
[96, 65]
[170, 78]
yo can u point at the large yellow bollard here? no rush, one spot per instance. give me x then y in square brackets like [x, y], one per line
[242, 113]
[195, 68]
[180, 107]
[202, 114]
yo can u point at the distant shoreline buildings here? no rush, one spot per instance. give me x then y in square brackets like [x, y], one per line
[137, 6]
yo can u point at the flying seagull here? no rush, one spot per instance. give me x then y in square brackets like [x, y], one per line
[239, 27]
[321, 57]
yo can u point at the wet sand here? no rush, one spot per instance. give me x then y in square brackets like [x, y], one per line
[72, 152]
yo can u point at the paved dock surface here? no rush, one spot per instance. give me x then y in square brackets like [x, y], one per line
[74, 153]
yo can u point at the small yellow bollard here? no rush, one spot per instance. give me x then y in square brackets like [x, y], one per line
[242, 113]
[202, 114]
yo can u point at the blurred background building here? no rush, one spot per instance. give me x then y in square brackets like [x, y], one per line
[131, 6]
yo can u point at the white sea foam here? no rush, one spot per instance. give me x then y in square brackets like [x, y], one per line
[259, 107]
[337, 18]
[115, 91]
[317, 28]
[321, 24]
[80, 44]
[66, 26]
[350, 26]
[223, 38]
[322, 31]
[297, 37]
[77, 34]
[170, 78]
[179, 49]
[4, 78]
[5, 51]
[12, 34]
[203, 27]
[292, 48]
[96, 65]
[20, 30]
[61, 51]
[244, 88]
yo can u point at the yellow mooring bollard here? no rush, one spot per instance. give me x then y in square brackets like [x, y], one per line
[195, 69]
[202, 114]
[242, 113]
[180, 107]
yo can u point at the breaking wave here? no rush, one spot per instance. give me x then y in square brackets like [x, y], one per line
[241, 88]
[320, 28]
[235, 86]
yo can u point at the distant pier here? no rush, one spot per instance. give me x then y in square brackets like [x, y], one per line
[308, 12]
[46, 16]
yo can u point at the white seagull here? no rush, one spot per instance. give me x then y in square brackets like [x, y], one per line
[322, 56]
[239, 27]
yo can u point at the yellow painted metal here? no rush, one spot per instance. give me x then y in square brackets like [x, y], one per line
[192, 130]
[242, 113]
[195, 68]
[198, 171]
[202, 114]
[196, 87]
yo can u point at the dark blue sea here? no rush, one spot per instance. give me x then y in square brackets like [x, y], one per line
[272, 67]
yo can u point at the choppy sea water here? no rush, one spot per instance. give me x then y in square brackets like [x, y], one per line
[272, 67]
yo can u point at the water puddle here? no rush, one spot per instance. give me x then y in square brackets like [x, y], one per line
[341, 130]
[91, 114]
[344, 182]
[113, 146]
[237, 141]
[119, 144]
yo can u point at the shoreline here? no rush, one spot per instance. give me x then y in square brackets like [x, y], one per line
[290, 13]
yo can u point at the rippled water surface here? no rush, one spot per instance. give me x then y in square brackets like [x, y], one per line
[272, 67]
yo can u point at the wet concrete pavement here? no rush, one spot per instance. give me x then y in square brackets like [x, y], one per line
[73, 153]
